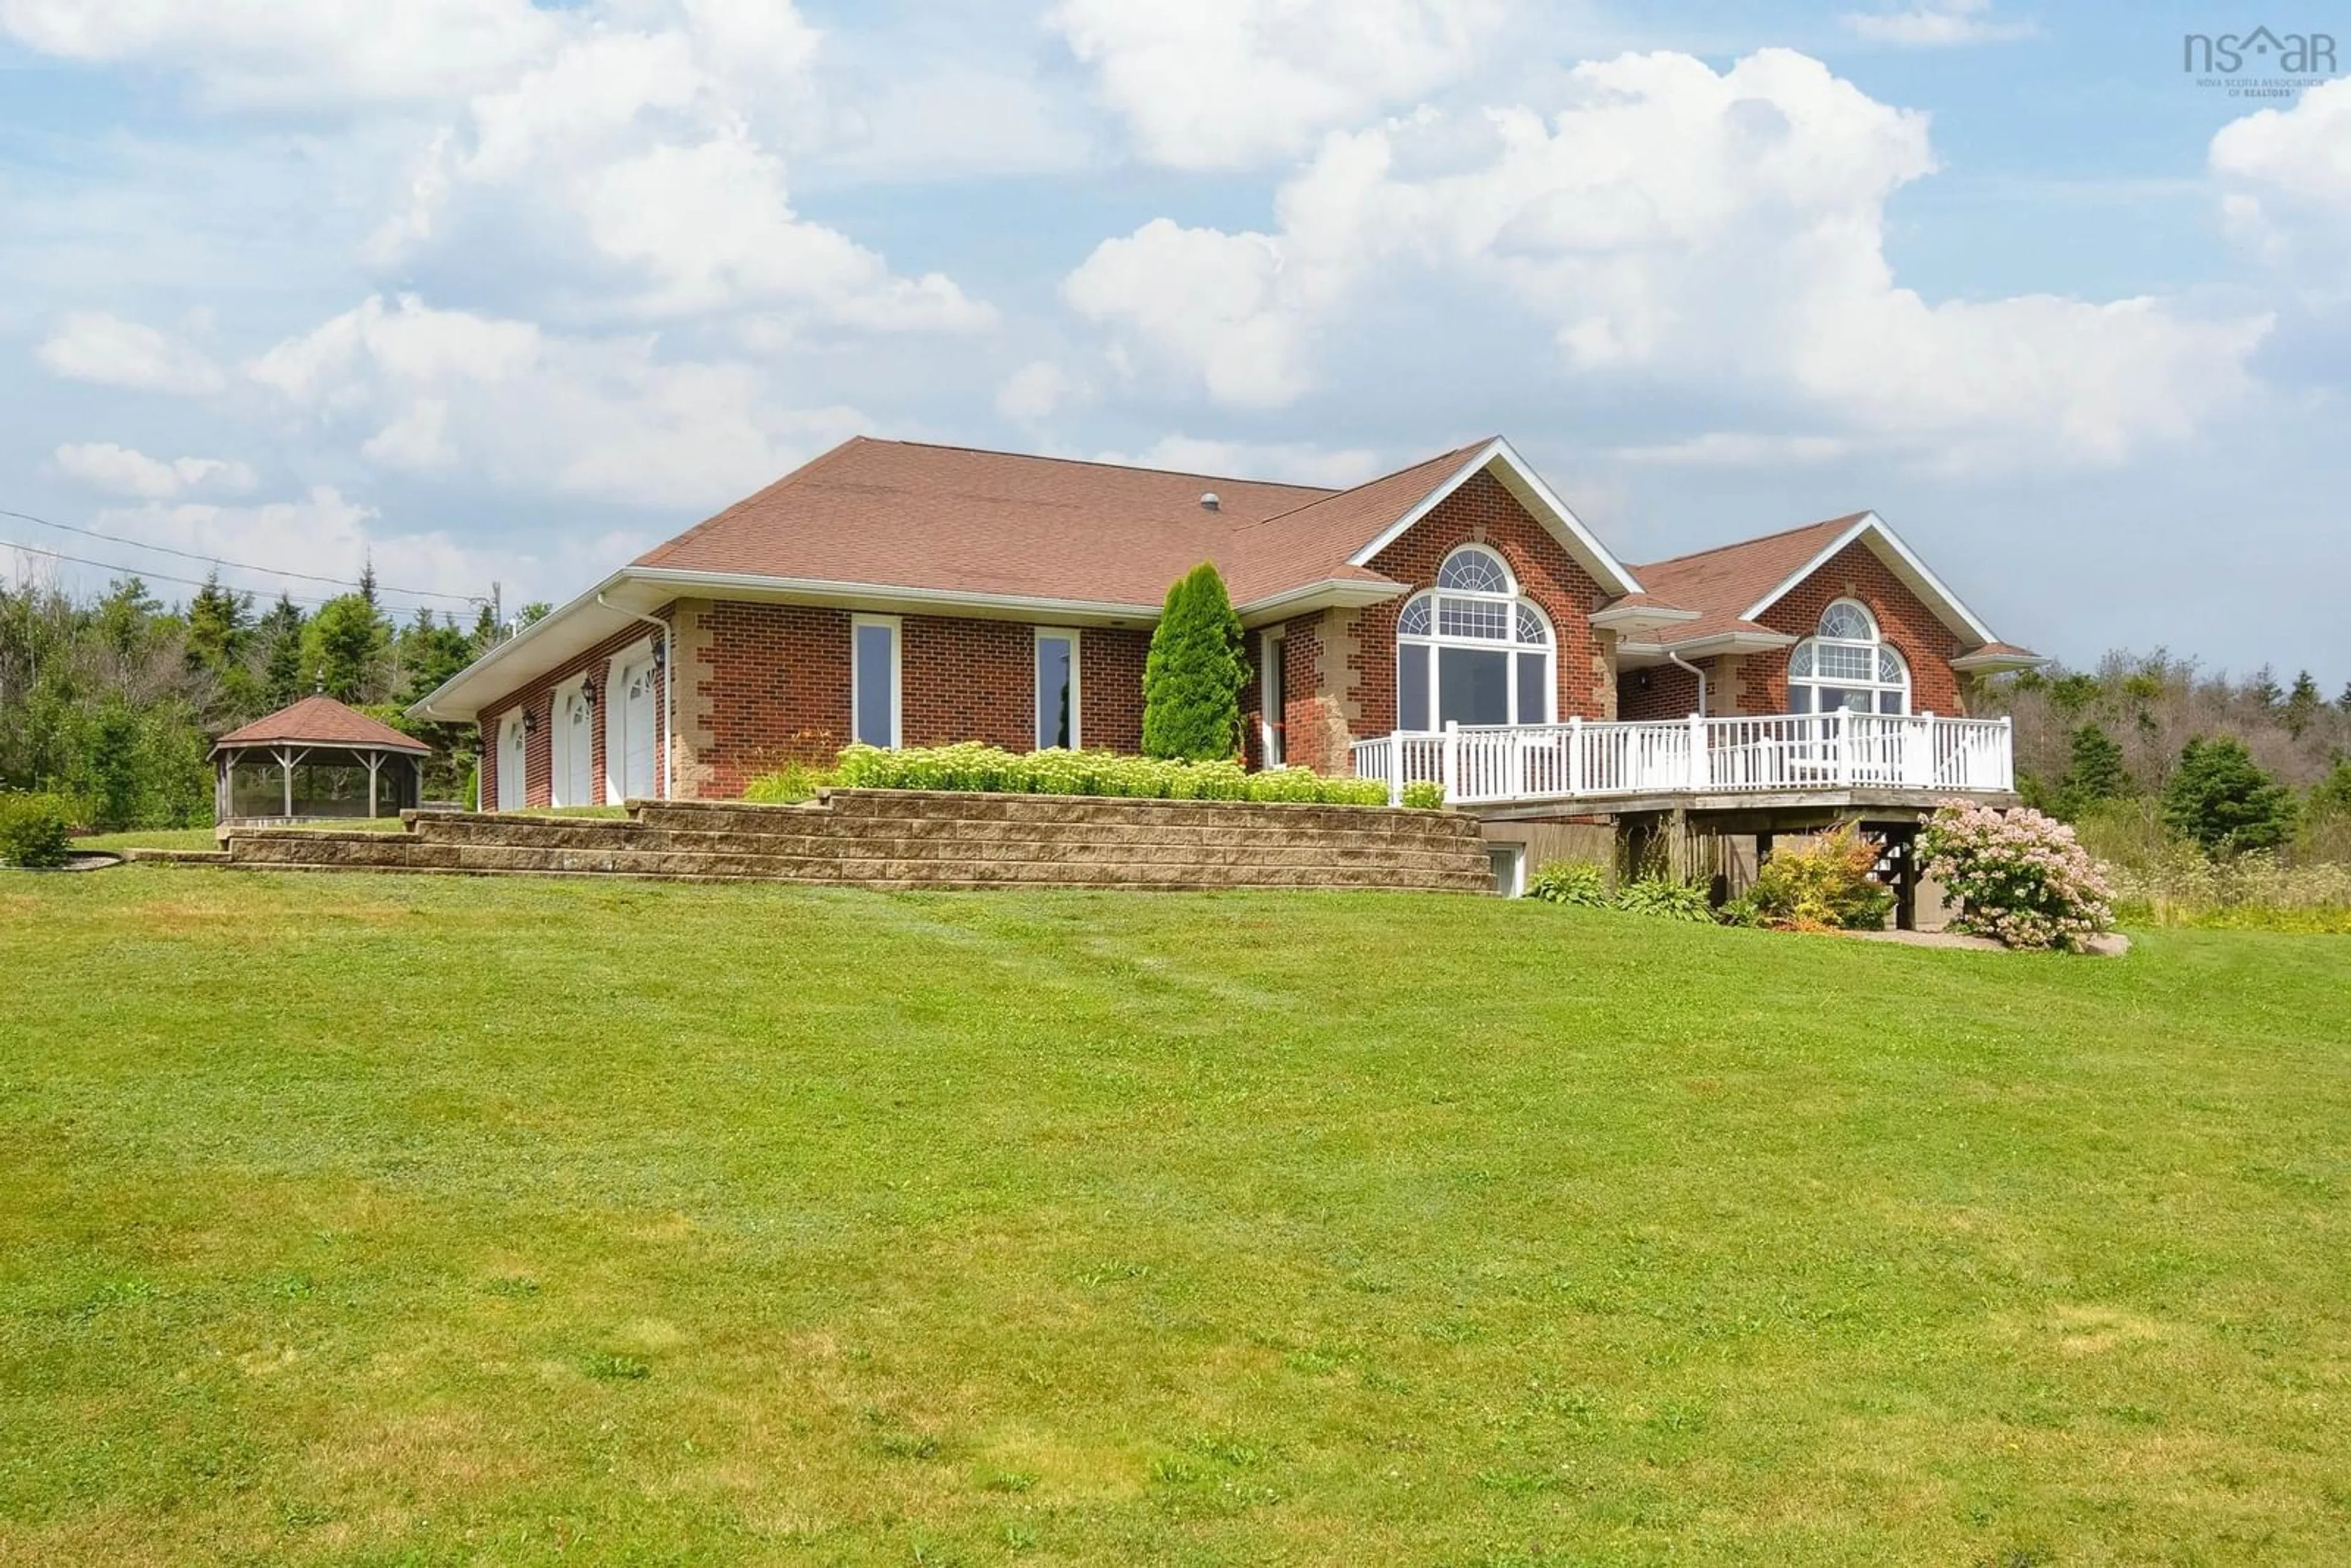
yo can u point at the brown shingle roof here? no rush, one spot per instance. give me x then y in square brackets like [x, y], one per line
[1718, 583]
[956, 519]
[322, 721]
[1312, 542]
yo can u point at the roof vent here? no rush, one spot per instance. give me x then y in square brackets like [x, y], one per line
[1207, 500]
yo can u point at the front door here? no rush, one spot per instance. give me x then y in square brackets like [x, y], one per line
[637, 781]
[574, 735]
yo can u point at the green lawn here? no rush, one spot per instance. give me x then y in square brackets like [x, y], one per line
[381, 1220]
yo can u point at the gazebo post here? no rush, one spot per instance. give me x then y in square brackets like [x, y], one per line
[375, 766]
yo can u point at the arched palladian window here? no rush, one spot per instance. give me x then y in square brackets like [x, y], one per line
[1848, 665]
[1471, 651]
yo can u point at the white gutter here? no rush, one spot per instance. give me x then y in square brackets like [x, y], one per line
[669, 688]
[1679, 662]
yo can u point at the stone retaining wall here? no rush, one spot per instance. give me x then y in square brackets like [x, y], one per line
[923, 839]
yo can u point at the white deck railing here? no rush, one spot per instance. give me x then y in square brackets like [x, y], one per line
[1499, 764]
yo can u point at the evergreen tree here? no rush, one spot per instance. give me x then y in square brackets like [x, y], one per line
[2302, 705]
[347, 650]
[2343, 702]
[367, 581]
[2265, 689]
[2330, 798]
[279, 633]
[2095, 773]
[2221, 798]
[1192, 677]
[219, 626]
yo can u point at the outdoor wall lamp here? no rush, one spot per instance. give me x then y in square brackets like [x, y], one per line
[661, 657]
[530, 721]
[588, 693]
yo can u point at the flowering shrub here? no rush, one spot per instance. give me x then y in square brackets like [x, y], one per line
[1824, 887]
[2019, 876]
[1570, 882]
[992, 770]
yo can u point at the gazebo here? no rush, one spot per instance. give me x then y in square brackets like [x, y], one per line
[315, 758]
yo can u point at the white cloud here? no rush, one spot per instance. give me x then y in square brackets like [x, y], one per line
[641, 148]
[314, 54]
[1224, 83]
[1723, 229]
[92, 346]
[1737, 449]
[439, 390]
[1294, 462]
[2287, 183]
[1218, 303]
[126, 471]
[1030, 394]
[328, 534]
[1937, 25]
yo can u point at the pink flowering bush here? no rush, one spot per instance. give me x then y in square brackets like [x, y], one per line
[2019, 876]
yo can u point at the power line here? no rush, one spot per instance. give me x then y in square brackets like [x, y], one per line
[146, 576]
[220, 560]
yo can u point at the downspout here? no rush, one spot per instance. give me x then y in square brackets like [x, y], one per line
[1675, 659]
[669, 688]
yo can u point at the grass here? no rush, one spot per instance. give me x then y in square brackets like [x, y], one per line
[402, 1220]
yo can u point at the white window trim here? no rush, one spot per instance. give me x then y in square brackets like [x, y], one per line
[509, 728]
[1077, 687]
[1436, 642]
[1876, 640]
[614, 706]
[1269, 731]
[897, 674]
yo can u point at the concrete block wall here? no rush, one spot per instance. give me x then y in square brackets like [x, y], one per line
[924, 838]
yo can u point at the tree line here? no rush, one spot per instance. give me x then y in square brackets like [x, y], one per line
[2228, 764]
[113, 701]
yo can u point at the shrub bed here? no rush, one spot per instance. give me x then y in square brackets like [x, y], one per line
[989, 769]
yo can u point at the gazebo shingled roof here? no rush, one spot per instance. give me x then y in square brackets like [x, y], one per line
[321, 720]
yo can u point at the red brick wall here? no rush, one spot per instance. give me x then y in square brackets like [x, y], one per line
[538, 698]
[1482, 512]
[771, 686]
[1856, 573]
[1110, 682]
[1301, 645]
[1656, 691]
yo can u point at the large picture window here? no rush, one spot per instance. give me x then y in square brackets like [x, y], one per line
[1847, 665]
[1057, 688]
[873, 716]
[1472, 651]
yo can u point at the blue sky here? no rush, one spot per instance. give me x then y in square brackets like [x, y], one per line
[496, 292]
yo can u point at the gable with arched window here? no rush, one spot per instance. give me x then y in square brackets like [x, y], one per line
[1847, 664]
[1473, 649]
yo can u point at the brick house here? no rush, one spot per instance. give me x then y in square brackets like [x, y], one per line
[1453, 620]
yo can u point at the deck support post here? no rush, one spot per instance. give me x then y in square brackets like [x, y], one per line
[1697, 752]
